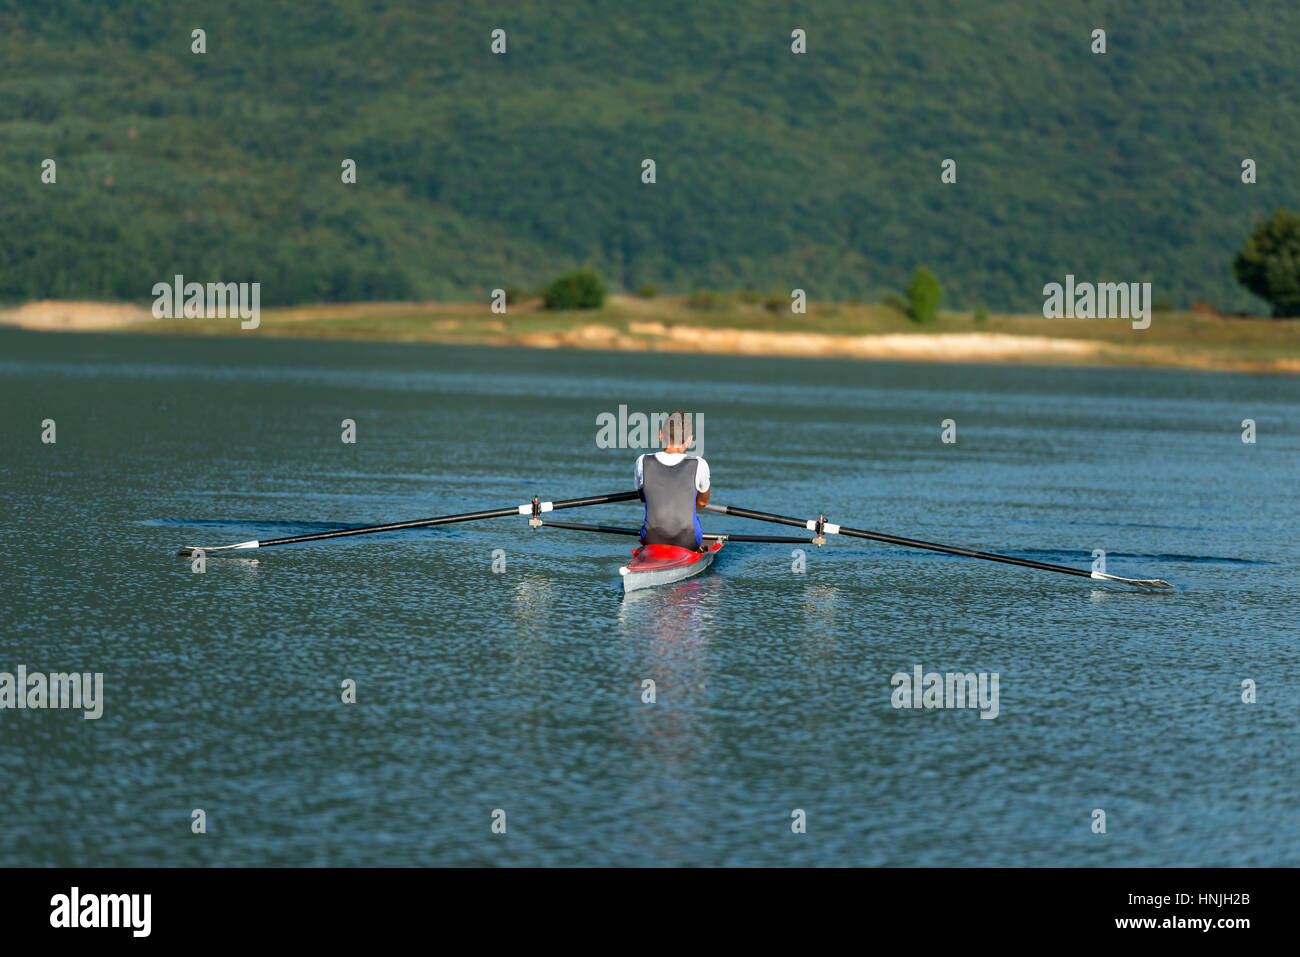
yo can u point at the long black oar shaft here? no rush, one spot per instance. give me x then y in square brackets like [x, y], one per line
[968, 552]
[832, 529]
[525, 509]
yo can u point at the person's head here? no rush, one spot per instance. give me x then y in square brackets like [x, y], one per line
[676, 432]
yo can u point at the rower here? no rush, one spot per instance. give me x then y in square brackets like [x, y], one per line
[674, 486]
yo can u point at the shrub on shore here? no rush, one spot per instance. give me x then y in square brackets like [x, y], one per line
[579, 289]
[1269, 263]
[923, 296]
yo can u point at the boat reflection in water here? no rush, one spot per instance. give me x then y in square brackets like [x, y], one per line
[664, 634]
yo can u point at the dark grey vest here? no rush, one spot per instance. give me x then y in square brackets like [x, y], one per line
[669, 493]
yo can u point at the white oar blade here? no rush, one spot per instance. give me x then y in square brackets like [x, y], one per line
[187, 551]
[1139, 582]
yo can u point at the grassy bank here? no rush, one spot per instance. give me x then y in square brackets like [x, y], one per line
[723, 324]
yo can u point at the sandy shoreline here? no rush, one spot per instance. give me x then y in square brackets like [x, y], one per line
[918, 346]
[471, 323]
[51, 315]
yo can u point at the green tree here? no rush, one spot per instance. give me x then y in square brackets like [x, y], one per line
[580, 289]
[1269, 264]
[923, 296]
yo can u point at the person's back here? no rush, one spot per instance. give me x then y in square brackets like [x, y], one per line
[674, 486]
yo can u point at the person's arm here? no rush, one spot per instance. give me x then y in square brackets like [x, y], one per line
[702, 498]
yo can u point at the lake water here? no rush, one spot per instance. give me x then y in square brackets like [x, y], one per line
[521, 690]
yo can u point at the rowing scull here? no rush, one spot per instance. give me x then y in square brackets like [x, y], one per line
[653, 565]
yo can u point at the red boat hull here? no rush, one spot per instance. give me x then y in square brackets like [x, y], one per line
[660, 564]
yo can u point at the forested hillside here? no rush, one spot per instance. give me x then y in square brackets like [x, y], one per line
[774, 170]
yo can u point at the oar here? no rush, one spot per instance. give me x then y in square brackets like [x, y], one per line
[821, 526]
[713, 536]
[533, 508]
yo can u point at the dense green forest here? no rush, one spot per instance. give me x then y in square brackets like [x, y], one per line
[774, 170]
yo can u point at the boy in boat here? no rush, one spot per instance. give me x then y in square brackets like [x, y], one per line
[674, 486]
